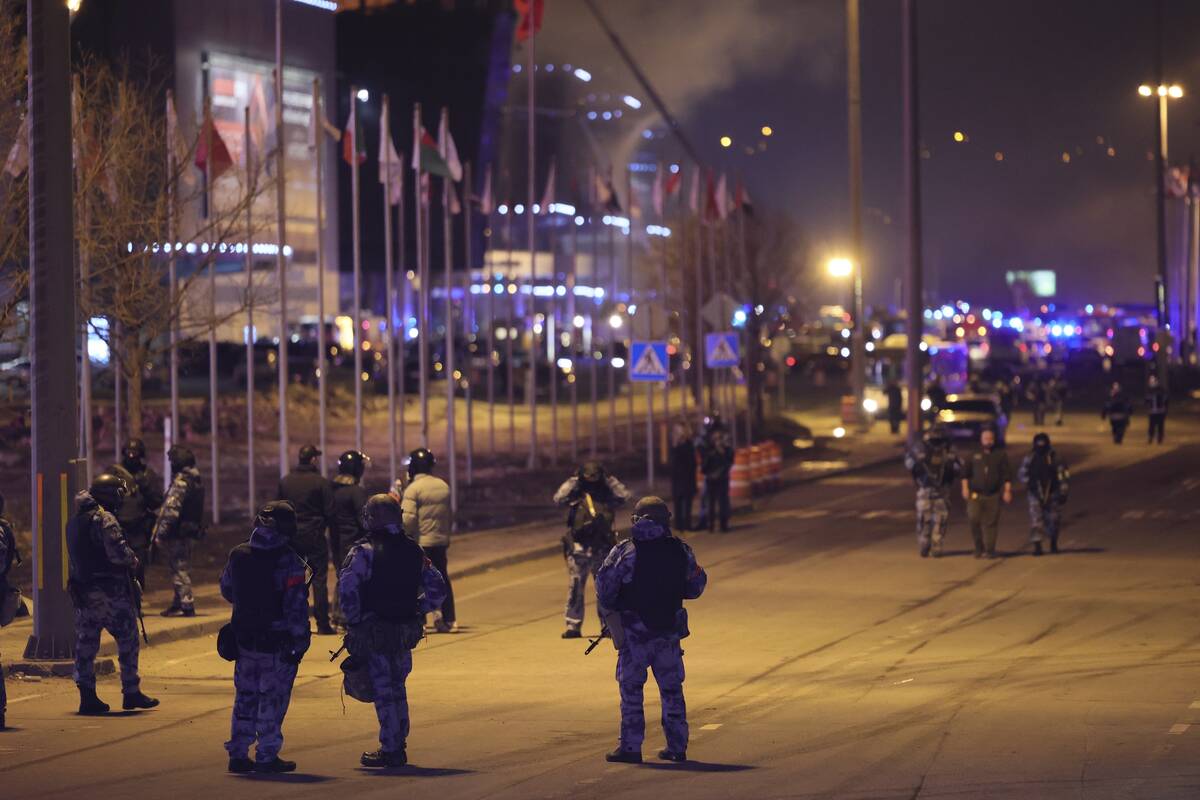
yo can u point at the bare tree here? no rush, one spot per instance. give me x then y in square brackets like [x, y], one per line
[14, 190]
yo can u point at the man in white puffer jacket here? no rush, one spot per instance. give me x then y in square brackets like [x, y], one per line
[425, 503]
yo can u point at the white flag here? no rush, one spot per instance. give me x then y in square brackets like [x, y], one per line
[486, 204]
[656, 194]
[447, 149]
[722, 198]
[391, 166]
[694, 197]
[548, 194]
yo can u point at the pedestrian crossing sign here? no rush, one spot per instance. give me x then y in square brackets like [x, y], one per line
[721, 349]
[648, 361]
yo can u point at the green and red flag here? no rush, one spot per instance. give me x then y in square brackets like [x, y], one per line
[426, 157]
[353, 144]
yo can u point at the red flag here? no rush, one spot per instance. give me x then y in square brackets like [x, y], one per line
[352, 140]
[673, 183]
[712, 211]
[221, 160]
[741, 199]
[529, 18]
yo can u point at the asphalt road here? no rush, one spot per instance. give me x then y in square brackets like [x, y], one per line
[827, 660]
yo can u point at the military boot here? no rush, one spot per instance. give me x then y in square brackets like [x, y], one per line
[1037, 548]
[623, 756]
[275, 765]
[136, 700]
[381, 758]
[240, 765]
[89, 704]
[672, 755]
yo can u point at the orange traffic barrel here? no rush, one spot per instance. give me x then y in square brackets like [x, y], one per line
[849, 409]
[757, 474]
[776, 463]
[739, 481]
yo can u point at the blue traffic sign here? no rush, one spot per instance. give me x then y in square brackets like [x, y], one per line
[721, 349]
[648, 361]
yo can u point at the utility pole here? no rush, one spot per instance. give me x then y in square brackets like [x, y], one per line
[912, 193]
[854, 110]
[1161, 285]
[52, 325]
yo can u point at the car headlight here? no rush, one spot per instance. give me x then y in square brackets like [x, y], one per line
[926, 404]
[870, 406]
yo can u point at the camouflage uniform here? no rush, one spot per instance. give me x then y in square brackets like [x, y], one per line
[175, 534]
[934, 470]
[644, 649]
[1045, 501]
[584, 559]
[105, 604]
[263, 681]
[8, 553]
[388, 671]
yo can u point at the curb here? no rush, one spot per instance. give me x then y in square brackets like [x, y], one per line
[53, 669]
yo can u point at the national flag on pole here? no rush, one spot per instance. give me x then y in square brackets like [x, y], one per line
[712, 211]
[353, 145]
[391, 166]
[529, 18]
[741, 199]
[447, 150]
[455, 204]
[221, 159]
[261, 121]
[673, 183]
[317, 122]
[722, 198]
[18, 155]
[656, 193]
[606, 194]
[694, 197]
[176, 142]
[426, 157]
[548, 194]
[486, 203]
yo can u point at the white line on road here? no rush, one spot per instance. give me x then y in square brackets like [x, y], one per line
[712, 726]
[1178, 728]
[509, 585]
[26, 697]
[1195, 704]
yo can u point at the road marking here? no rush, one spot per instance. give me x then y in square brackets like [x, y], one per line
[1133, 515]
[712, 726]
[509, 585]
[1195, 704]
[906, 680]
[1178, 728]
[26, 697]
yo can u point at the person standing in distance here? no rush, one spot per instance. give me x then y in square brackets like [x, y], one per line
[348, 499]
[718, 463]
[180, 523]
[102, 590]
[425, 505]
[1117, 410]
[683, 475]
[312, 498]
[646, 578]
[138, 512]
[1156, 409]
[385, 587]
[987, 478]
[264, 580]
[592, 495]
[934, 468]
[8, 554]
[1047, 480]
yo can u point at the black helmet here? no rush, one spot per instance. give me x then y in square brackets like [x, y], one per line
[108, 490]
[353, 463]
[308, 452]
[135, 451]
[591, 472]
[1041, 441]
[380, 512]
[652, 508]
[126, 477]
[713, 421]
[278, 515]
[937, 434]
[420, 461]
[180, 457]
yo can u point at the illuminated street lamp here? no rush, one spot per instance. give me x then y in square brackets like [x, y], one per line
[840, 267]
[1164, 92]
[726, 141]
[767, 130]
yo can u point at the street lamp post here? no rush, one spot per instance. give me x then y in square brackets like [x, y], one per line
[1164, 93]
[854, 112]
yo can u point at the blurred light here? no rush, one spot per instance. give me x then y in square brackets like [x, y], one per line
[565, 364]
[1066, 157]
[869, 405]
[959, 332]
[615, 321]
[1089, 308]
[1162, 91]
[926, 403]
[518, 209]
[1145, 91]
[998, 155]
[982, 330]
[840, 267]
[674, 169]
[739, 317]
[363, 95]
[583, 74]
[845, 352]
[959, 136]
[845, 333]
[726, 141]
[516, 67]
[647, 134]
[839, 432]
[579, 220]
[502, 208]
[73, 5]
[591, 115]
[632, 101]
[1175, 91]
[791, 361]
[922, 346]
[365, 376]
[870, 347]
[618, 362]
[578, 321]
[607, 115]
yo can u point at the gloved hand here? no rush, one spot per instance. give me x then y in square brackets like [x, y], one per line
[292, 657]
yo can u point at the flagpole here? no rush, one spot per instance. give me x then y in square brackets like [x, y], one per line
[712, 283]
[488, 280]
[322, 346]
[752, 328]
[531, 233]
[251, 492]
[698, 264]
[468, 320]
[448, 262]
[508, 337]
[663, 295]
[173, 277]
[591, 342]
[728, 387]
[402, 345]
[629, 255]
[575, 333]
[356, 275]
[550, 328]
[281, 225]
[612, 336]
[115, 362]
[385, 161]
[86, 442]
[213, 417]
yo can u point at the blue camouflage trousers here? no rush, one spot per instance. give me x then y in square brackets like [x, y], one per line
[388, 674]
[933, 515]
[262, 685]
[664, 656]
[1044, 520]
[178, 550]
[580, 564]
[112, 611]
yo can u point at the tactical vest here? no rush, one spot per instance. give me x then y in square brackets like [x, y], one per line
[191, 511]
[937, 468]
[89, 559]
[659, 580]
[394, 589]
[10, 541]
[257, 601]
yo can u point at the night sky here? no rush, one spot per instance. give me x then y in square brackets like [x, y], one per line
[1031, 79]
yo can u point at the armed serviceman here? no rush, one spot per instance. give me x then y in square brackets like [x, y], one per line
[264, 579]
[1047, 481]
[645, 580]
[934, 468]
[8, 594]
[349, 497]
[312, 497]
[386, 587]
[592, 496]
[137, 514]
[987, 479]
[103, 592]
[180, 524]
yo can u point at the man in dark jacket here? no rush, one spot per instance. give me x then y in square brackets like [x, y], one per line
[718, 463]
[264, 580]
[683, 475]
[1046, 478]
[895, 406]
[180, 524]
[140, 508]
[645, 579]
[8, 554]
[986, 481]
[1156, 409]
[312, 498]
[1117, 409]
[348, 499]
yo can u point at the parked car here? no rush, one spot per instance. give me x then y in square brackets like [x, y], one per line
[965, 416]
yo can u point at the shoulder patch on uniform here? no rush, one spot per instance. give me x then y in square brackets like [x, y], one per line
[293, 581]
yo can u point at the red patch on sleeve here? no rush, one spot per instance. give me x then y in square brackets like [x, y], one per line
[428, 563]
[295, 580]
